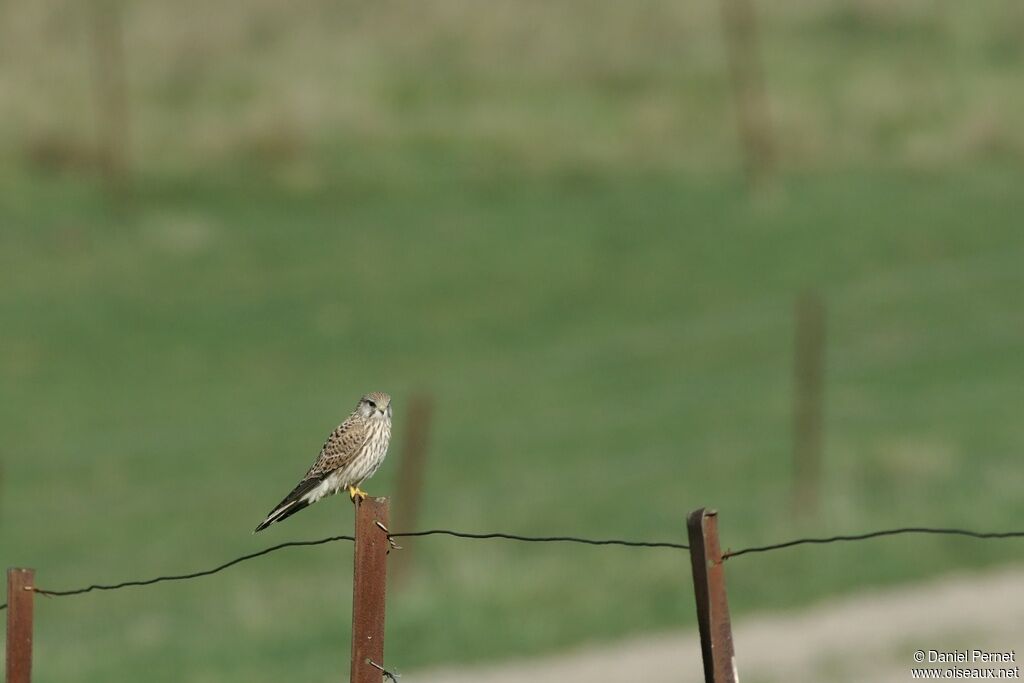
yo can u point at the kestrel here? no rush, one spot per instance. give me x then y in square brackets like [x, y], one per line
[352, 454]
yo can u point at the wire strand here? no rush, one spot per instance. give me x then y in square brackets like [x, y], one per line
[540, 539]
[192, 575]
[873, 534]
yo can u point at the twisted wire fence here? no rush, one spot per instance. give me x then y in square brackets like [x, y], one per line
[504, 536]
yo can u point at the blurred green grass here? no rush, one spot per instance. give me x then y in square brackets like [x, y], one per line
[595, 84]
[537, 219]
[170, 369]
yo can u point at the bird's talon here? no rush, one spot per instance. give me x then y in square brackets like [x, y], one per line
[356, 492]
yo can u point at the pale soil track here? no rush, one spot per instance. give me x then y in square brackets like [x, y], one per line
[869, 637]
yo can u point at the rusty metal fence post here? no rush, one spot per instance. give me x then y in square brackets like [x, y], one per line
[712, 603]
[368, 590]
[20, 597]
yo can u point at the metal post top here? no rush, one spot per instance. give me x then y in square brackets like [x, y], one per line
[701, 513]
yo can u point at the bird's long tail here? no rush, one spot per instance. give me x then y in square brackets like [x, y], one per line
[298, 499]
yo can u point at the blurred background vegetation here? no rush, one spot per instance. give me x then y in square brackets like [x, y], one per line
[536, 211]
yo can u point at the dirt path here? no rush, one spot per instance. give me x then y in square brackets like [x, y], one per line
[870, 637]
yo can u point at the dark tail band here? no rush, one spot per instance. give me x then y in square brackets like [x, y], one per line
[282, 512]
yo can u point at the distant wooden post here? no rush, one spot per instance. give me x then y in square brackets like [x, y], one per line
[739, 24]
[808, 393]
[712, 602]
[112, 124]
[20, 599]
[369, 584]
[411, 472]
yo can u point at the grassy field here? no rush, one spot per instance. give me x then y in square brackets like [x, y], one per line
[604, 316]
[168, 372]
[593, 84]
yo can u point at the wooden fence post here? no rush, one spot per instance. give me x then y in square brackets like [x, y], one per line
[111, 91]
[368, 589]
[712, 603]
[808, 383]
[739, 23]
[411, 470]
[20, 598]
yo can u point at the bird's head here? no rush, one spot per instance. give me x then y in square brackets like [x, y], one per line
[376, 405]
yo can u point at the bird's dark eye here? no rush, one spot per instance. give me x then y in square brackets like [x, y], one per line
[372, 404]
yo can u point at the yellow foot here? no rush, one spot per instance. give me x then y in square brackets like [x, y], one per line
[356, 492]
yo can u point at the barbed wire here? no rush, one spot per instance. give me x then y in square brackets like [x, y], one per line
[874, 534]
[330, 539]
[390, 675]
[184, 577]
[539, 539]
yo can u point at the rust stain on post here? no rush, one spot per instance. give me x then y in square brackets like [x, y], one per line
[368, 590]
[712, 602]
[20, 598]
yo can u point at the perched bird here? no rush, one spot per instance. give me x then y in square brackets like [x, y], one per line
[352, 454]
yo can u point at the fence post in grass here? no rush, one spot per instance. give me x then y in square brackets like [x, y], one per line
[739, 24]
[411, 470]
[111, 91]
[368, 589]
[712, 603]
[808, 382]
[20, 598]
